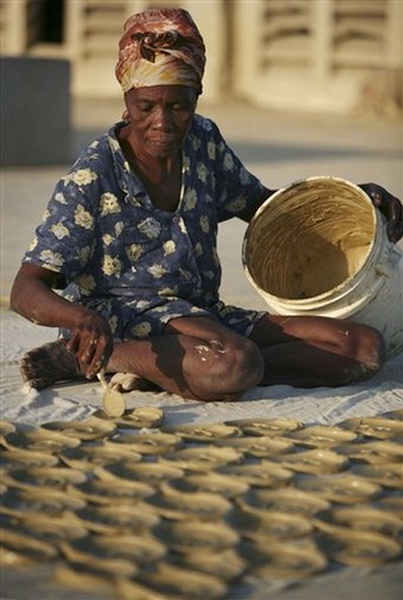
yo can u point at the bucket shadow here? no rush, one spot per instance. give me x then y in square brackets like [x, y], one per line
[261, 152]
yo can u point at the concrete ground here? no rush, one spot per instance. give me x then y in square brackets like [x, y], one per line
[279, 148]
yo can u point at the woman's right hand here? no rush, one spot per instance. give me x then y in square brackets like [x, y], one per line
[32, 297]
[91, 342]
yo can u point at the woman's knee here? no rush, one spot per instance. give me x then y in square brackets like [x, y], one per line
[364, 346]
[246, 365]
[233, 367]
[371, 350]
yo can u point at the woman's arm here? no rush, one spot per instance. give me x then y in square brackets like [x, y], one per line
[32, 297]
[247, 214]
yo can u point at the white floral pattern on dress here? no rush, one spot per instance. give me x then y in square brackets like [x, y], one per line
[83, 218]
[141, 330]
[87, 283]
[169, 247]
[111, 265]
[109, 204]
[59, 230]
[134, 251]
[82, 177]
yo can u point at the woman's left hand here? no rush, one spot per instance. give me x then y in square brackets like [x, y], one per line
[390, 206]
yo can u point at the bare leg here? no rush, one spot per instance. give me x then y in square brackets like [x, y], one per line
[317, 351]
[199, 358]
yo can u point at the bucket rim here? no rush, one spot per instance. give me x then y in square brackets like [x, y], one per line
[348, 283]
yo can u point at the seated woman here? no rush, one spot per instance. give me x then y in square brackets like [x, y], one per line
[130, 235]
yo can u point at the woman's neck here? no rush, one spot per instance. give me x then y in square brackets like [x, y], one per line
[156, 168]
[161, 176]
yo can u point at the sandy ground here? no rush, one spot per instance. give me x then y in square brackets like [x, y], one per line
[280, 148]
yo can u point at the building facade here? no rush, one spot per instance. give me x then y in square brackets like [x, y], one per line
[318, 55]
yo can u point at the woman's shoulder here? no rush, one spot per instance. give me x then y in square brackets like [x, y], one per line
[204, 126]
[99, 155]
[93, 172]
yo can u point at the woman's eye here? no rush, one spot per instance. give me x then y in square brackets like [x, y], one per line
[181, 106]
[145, 107]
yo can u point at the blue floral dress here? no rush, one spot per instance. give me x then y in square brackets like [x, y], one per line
[137, 265]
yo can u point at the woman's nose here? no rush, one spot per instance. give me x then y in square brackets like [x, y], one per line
[162, 119]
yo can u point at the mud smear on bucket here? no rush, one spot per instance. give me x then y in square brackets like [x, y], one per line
[308, 240]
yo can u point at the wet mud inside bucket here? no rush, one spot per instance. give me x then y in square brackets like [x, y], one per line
[309, 239]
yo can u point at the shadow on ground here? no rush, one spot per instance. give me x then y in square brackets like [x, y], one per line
[258, 152]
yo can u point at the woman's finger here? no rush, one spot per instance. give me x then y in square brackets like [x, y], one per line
[99, 358]
[391, 208]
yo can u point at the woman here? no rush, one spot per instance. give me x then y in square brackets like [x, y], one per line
[130, 234]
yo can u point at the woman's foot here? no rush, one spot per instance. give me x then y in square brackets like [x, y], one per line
[128, 382]
[49, 364]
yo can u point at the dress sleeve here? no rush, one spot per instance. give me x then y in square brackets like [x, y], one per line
[64, 241]
[236, 189]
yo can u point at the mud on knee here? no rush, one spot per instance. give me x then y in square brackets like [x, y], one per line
[372, 351]
[241, 367]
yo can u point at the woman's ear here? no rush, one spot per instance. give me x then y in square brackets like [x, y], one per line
[125, 114]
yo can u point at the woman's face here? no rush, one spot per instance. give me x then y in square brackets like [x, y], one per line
[160, 117]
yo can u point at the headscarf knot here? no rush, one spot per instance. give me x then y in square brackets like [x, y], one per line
[161, 47]
[150, 42]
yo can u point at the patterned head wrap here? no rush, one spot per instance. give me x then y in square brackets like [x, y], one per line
[160, 46]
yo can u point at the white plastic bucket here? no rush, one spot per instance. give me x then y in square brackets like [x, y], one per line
[320, 247]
